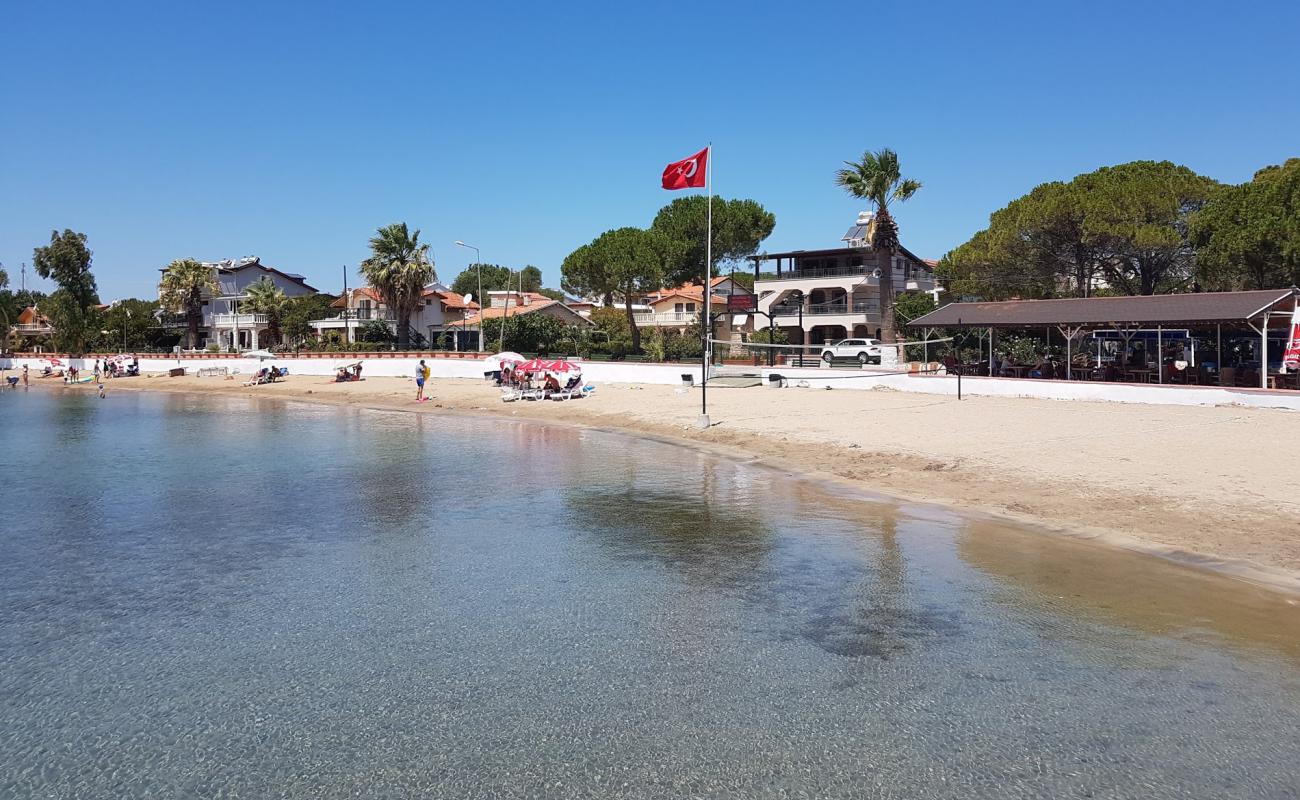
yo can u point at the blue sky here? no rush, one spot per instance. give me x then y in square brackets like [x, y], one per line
[292, 131]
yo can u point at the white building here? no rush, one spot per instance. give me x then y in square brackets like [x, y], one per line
[440, 311]
[223, 322]
[821, 296]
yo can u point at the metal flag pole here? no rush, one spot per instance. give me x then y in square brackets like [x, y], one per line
[347, 311]
[708, 291]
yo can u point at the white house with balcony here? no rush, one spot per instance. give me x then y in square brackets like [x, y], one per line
[224, 323]
[820, 296]
[681, 306]
[440, 311]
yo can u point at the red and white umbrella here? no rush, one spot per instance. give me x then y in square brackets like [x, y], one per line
[536, 365]
[1291, 360]
[55, 362]
[561, 365]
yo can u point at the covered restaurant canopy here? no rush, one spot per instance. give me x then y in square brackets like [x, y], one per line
[1183, 310]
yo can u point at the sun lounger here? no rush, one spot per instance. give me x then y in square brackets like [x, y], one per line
[570, 390]
[509, 395]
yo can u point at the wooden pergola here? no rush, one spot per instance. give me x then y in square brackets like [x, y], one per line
[1258, 311]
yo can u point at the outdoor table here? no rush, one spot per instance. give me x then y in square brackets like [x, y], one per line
[1138, 375]
[1081, 373]
[1016, 370]
[1281, 380]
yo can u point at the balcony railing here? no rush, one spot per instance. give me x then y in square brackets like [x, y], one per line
[30, 328]
[900, 277]
[366, 314]
[667, 318]
[859, 307]
[820, 272]
[223, 320]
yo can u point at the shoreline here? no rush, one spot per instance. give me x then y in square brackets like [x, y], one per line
[1268, 556]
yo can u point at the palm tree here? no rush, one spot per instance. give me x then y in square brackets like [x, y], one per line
[878, 179]
[264, 297]
[398, 270]
[181, 292]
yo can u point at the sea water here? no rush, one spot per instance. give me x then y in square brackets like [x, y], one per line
[208, 597]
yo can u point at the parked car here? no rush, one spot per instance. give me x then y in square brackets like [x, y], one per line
[863, 351]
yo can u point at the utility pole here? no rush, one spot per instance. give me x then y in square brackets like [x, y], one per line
[347, 308]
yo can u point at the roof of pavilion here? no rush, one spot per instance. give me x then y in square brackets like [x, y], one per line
[1202, 308]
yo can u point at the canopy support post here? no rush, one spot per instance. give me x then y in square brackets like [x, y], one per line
[990, 352]
[1263, 353]
[1160, 354]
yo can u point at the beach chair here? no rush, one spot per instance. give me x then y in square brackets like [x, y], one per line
[567, 391]
[509, 395]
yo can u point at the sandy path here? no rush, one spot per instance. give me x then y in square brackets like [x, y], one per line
[1217, 485]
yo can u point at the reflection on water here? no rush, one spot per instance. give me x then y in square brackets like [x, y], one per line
[239, 598]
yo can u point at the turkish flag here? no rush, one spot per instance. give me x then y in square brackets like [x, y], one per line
[689, 173]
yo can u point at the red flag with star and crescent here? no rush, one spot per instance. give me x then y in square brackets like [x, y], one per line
[689, 173]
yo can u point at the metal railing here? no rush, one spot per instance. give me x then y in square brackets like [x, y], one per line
[667, 318]
[900, 276]
[858, 307]
[235, 319]
[361, 315]
[820, 272]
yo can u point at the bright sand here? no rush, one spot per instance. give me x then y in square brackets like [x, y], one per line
[1213, 486]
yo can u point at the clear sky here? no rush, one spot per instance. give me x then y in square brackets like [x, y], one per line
[292, 131]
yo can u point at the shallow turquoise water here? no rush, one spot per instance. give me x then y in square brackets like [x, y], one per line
[231, 598]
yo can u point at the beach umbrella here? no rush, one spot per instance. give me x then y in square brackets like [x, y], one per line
[536, 365]
[560, 365]
[55, 362]
[502, 359]
[260, 355]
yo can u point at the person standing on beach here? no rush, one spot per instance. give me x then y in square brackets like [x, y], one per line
[25, 383]
[421, 374]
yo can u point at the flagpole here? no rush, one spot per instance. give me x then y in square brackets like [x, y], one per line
[708, 291]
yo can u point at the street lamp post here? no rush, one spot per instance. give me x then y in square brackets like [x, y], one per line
[478, 264]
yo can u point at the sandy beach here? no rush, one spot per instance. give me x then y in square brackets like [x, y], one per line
[1209, 486]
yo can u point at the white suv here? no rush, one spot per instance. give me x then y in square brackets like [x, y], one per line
[864, 351]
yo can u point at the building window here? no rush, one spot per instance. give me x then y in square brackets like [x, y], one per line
[677, 307]
[690, 308]
[855, 261]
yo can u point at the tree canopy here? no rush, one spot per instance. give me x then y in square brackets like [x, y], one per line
[398, 269]
[181, 291]
[72, 309]
[264, 297]
[625, 263]
[878, 179]
[1127, 225]
[1248, 236]
[495, 278]
[739, 226]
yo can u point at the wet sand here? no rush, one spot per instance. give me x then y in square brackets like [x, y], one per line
[1212, 487]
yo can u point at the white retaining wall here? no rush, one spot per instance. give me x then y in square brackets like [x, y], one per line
[671, 375]
[1033, 387]
[404, 367]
